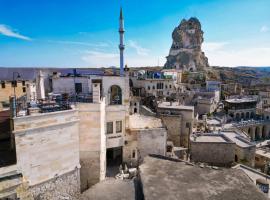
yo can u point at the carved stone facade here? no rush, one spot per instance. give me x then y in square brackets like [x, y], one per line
[185, 52]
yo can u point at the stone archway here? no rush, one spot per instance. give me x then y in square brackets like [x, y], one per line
[115, 94]
[257, 133]
[242, 115]
[264, 132]
[237, 116]
[247, 115]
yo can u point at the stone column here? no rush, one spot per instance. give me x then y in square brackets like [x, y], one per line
[252, 133]
[267, 131]
[260, 132]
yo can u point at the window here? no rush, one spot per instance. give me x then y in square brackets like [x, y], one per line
[118, 126]
[134, 154]
[170, 86]
[109, 127]
[23, 83]
[187, 125]
[115, 95]
[78, 88]
[14, 83]
[149, 88]
[3, 84]
[24, 89]
[153, 87]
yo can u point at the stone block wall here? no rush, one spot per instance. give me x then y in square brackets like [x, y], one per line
[173, 125]
[214, 153]
[66, 186]
[47, 148]
[92, 143]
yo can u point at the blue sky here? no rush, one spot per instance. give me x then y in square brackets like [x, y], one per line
[84, 33]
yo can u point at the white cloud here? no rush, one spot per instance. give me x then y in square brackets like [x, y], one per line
[213, 46]
[100, 59]
[100, 44]
[7, 31]
[264, 29]
[257, 56]
[104, 59]
[140, 50]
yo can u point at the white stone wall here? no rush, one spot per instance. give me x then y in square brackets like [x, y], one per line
[47, 145]
[150, 86]
[92, 143]
[67, 84]
[144, 142]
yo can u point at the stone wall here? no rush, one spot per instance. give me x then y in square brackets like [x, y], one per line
[47, 148]
[152, 141]
[92, 143]
[214, 153]
[173, 125]
[8, 91]
[245, 156]
[66, 186]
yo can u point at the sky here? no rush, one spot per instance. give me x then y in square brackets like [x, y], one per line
[84, 33]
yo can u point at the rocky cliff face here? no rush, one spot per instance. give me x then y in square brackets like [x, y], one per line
[185, 52]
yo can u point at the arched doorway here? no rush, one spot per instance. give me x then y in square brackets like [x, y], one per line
[236, 158]
[252, 115]
[135, 110]
[257, 133]
[249, 131]
[247, 115]
[264, 132]
[237, 116]
[242, 116]
[115, 94]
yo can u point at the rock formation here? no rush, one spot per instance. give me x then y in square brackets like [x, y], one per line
[185, 52]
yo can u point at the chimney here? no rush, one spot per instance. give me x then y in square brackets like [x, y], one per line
[96, 92]
[13, 111]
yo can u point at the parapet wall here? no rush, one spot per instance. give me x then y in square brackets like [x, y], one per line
[47, 148]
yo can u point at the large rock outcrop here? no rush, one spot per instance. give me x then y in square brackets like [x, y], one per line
[185, 52]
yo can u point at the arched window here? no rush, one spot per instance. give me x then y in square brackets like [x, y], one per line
[115, 95]
[247, 115]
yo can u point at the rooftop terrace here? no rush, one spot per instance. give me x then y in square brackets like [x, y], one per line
[172, 179]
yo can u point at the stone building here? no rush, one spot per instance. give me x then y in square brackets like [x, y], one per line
[255, 129]
[244, 149]
[241, 108]
[146, 135]
[47, 157]
[178, 120]
[214, 149]
[154, 84]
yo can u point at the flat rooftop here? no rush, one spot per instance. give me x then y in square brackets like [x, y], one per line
[241, 100]
[111, 189]
[174, 105]
[212, 138]
[264, 151]
[237, 139]
[168, 180]
[137, 121]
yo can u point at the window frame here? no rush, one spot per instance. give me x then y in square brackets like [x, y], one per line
[107, 125]
[121, 126]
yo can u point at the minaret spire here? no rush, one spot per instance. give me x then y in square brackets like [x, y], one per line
[121, 45]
